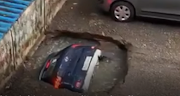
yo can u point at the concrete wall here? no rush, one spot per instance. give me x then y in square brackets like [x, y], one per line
[24, 34]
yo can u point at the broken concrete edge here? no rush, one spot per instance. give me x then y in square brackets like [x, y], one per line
[121, 43]
[25, 38]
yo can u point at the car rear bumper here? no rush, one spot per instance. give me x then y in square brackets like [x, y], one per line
[90, 71]
[105, 4]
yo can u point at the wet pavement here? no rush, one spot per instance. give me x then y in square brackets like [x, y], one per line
[154, 61]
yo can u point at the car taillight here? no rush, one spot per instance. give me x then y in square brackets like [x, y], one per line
[92, 47]
[78, 84]
[57, 82]
[75, 45]
[48, 63]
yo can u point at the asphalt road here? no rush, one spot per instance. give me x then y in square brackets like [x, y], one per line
[154, 63]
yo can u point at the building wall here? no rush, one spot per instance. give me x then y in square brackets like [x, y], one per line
[24, 34]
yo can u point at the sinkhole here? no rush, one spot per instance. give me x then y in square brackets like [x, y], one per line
[110, 73]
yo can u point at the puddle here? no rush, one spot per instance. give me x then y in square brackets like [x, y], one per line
[111, 71]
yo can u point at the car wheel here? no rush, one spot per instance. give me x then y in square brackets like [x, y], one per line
[122, 12]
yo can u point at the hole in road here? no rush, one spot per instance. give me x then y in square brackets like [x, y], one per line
[111, 71]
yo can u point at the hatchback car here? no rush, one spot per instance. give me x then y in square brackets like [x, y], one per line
[71, 68]
[126, 10]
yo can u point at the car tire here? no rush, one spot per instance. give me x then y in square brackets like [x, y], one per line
[122, 12]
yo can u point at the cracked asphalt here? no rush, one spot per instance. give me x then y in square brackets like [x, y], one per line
[154, 61]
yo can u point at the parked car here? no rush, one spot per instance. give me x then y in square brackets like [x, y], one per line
[71, 68]
[126, 10]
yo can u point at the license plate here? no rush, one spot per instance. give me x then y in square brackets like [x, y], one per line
[86, 63]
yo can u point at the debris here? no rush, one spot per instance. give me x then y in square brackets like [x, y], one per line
[75, 3]
[93, 14]
[8, 86]
[115, 79]
[103, 33]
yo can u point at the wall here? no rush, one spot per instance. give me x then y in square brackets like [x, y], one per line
[24, 34]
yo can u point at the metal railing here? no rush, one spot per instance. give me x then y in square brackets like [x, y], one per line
[10, 11]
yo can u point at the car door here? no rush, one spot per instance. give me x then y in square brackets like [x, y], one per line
[159, 7]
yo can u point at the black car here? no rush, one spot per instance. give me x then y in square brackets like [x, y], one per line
[71, 68]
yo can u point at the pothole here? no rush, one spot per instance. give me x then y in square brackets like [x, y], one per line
[111, 71]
